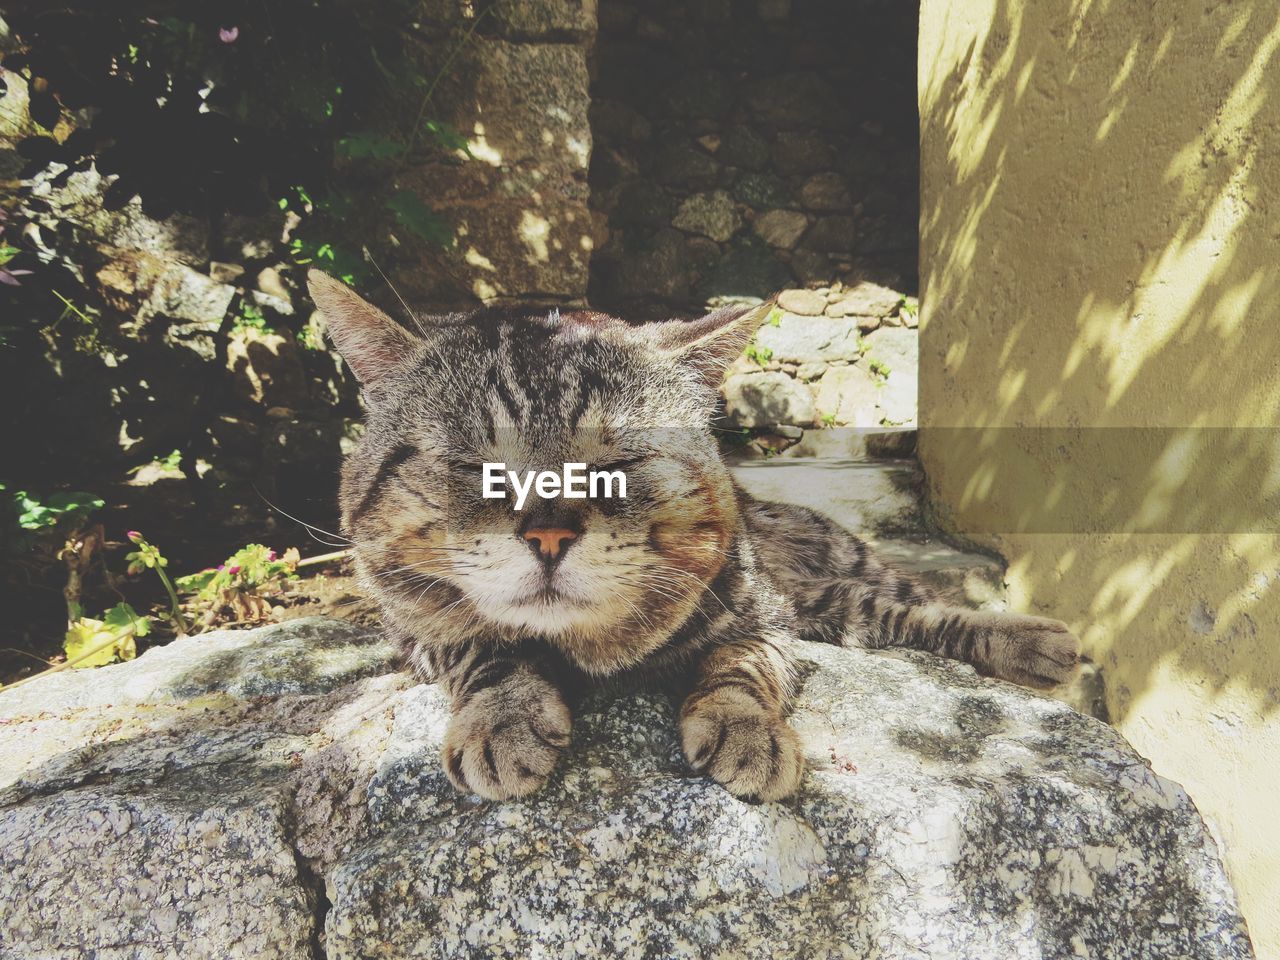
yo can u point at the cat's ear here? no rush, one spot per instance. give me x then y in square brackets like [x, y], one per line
[371, 342]
[711, 343]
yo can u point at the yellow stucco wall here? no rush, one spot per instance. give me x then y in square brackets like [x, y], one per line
[1100, 326]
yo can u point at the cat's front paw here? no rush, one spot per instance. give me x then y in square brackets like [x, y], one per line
[753, 753]
[1034, 651]
[505, 742]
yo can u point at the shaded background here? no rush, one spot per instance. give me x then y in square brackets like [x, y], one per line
[169, 173]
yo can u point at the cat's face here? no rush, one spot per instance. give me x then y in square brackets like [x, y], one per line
[604, 578]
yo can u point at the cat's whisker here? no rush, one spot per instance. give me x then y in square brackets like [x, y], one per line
[309, 526]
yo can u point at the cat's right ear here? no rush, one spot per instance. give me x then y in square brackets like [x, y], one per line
[713, 342]
[371, 342]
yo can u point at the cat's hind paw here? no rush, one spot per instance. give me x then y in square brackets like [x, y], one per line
[1034, 651]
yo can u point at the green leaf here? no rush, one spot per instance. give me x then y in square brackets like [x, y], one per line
[124, 617]
[368, 146]
[195, 582]
[35, 514]
[447, 136]
[106, 640]
[411, 213]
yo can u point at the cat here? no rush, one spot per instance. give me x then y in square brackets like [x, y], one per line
[687, 580]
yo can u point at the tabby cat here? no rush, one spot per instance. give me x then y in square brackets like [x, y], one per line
[687, 580]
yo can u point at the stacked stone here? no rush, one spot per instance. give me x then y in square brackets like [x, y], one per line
[836, 356]
[741, 147]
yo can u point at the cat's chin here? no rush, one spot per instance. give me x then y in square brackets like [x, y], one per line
[549, 615]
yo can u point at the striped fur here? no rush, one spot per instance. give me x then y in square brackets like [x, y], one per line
[687, 581]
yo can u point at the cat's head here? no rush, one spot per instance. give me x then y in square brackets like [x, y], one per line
[604, 578]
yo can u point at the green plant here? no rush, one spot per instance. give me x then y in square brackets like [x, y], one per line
[310, 337]
[58, 510]
[879, 368]
[148, 557]
[757, 354]
[95, 643]
[169, 462]
[347, 265]
[909, 308]
[828, 419]
[250, 319]
[9, 275]
[237, 586]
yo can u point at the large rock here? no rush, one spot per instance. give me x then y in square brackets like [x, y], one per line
[898, 349]
[866, 300]
[184, 804]
[825, 191]
[760, 190]
[781, 228]
[848, 396]
[710, 214]
[766, 400]
[551, 20]
[807, 303]
[800, 339]
[517, 210]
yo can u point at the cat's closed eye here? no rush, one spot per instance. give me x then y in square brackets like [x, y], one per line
[616, 465]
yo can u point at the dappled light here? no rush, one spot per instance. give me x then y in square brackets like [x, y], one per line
[771, 478]
[1100, 381]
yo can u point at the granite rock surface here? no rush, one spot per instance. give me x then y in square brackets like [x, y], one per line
[278, 793]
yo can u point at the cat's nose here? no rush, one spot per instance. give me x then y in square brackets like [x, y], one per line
[549, 542]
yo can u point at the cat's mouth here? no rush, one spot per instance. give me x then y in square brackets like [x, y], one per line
[550, 595]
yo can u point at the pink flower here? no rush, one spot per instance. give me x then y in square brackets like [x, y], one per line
[234, 570]
[228, 34]
[221, 567]
[133, 535]
[271, 554]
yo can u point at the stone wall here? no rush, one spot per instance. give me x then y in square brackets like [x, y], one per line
[829, 358]
[514, 83]
[744, 146]
[739, 149]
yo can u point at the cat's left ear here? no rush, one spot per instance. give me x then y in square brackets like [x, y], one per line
[711, 343]
[372, 343]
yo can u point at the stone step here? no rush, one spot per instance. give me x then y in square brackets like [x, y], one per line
[831, 443]
[855, 443]
[868, 498]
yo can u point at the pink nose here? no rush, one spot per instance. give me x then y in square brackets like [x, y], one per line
[551, 541]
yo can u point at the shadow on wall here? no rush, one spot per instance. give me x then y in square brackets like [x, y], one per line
[1100, 372]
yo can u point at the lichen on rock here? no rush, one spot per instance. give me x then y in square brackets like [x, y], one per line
[278, 793]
